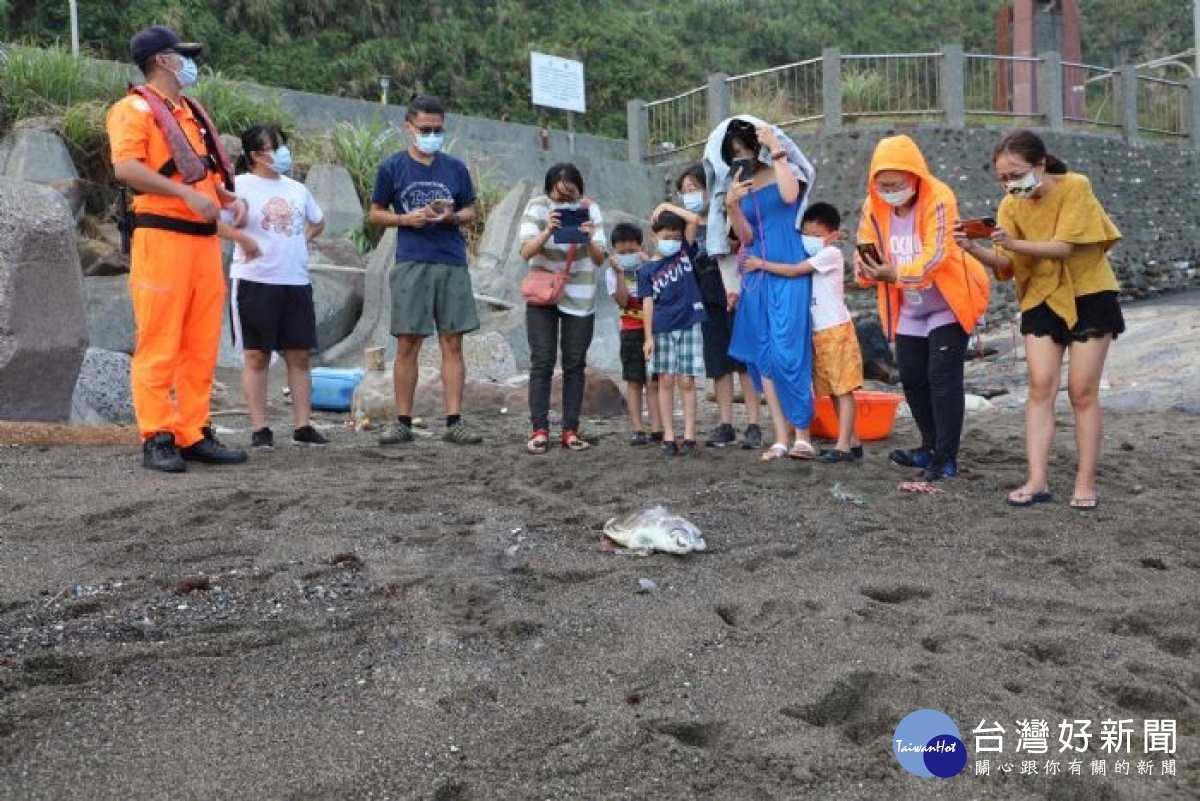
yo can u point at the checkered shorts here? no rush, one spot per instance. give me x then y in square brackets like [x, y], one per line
[679, 352]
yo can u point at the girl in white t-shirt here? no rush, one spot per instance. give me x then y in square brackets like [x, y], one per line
[271, 292]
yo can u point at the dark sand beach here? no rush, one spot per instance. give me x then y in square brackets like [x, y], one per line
[430, 621]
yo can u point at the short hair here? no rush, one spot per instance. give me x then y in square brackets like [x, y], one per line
[423, 104]
[696, 173]
[669, 221]
[563, 171]
[625, 232]
[823, 214]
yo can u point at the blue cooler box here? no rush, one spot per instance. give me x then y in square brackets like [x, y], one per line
[332, 388]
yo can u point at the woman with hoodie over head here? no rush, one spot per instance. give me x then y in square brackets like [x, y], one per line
[931, 296]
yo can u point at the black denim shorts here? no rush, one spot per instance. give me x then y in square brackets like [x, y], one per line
[1099, 315]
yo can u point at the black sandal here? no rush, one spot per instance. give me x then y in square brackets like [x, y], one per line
[834, 456]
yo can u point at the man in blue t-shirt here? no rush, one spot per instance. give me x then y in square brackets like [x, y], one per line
[672, 311]
[428, 196]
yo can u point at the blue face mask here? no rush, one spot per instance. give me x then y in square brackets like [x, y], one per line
[283, 159]
[693, 201]
[629, 261]
[669, 247]
[188, 73]
[430, 143]
[812, 244]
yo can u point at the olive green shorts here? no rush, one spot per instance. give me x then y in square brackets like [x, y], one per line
[431, 298]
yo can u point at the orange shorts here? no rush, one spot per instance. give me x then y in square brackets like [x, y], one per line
[837, 361]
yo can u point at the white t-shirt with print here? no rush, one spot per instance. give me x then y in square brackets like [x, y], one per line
[828, 289]
[278, 211]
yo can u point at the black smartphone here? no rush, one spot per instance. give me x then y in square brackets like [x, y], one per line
[742, 169]
[869, 252]
[979, 227]
[569, 222]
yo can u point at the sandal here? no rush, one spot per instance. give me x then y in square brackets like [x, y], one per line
[776, 451]
[802, 450]
[571, 441]
[539, 443]
[1085, 503]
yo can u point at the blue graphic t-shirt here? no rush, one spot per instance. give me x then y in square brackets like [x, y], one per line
[405, 185]
[671, 282]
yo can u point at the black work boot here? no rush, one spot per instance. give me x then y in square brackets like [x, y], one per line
[159, 453]
[210, 451]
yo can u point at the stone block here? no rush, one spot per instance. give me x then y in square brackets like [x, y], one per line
[39, 157]
[43, 320]
[102, 393]
[110, 314]
[334, 191]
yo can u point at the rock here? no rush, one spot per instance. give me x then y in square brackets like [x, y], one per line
[110, 314]
[43, 322]
[38, 157]
[488, 357]
[112, 262]
[334, 191]
[498, 269]
[337, 306]
[601, 395]
[75, 192]
[339, 258]
[878, 363]
[102, 393]
[373, 327]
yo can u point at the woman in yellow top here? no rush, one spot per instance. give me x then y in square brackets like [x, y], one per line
[1052, 239]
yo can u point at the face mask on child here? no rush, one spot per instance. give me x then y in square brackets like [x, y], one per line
[693, 201]
[629, 261]
[669, 247]
[812, 243]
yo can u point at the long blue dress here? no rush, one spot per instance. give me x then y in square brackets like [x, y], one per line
[772, 331]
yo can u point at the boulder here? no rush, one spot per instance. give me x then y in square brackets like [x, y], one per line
[334, 191]
[110, 314]
[486, 353]
[337, 306]
[878, 363]
[601, 395]
[43, 320]
[102, 393]
[373, 326]
[498, 269]
[39, 157]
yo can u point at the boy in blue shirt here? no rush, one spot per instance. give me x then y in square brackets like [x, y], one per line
[673, 310]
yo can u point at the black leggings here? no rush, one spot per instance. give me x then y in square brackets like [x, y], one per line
[931, 370]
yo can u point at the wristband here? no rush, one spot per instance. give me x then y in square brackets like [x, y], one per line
[777, 156]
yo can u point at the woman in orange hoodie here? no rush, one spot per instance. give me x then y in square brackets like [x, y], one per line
[931, 296]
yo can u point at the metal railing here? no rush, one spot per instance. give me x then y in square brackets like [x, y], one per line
[679, 123]
[891, 85]
[1091, 95]
[948, 86]
[999, 86]
[1162, 106]
[788, 95]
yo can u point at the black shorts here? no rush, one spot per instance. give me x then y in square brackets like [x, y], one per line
[1099, 315]
[274, 317]
[717, 328]
[633, 357]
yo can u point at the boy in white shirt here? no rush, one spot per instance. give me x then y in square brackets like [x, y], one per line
[837, 360]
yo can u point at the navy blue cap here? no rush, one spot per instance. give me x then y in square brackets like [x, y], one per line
[149, 43]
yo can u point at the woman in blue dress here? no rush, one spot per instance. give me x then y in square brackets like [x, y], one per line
[772, 331]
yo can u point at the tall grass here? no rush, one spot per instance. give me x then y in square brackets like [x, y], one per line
[233, 108]
[36, 82]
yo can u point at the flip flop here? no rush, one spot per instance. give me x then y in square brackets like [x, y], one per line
[1085, 504]
[802, 450]
[1021, 499]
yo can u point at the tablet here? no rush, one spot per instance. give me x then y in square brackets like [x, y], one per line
[568, 232]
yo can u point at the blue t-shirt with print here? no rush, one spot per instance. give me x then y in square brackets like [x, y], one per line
[405, 185]
[671, 282]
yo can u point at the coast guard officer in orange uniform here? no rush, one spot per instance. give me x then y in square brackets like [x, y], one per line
[165, 148]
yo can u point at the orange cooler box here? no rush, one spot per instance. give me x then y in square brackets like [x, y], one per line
[876, 413]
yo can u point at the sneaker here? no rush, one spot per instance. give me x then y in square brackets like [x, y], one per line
[946, 468]
[752, 437]
[394, 433]
[307, 435]
[688, 448]
[571, 441]
[916, 457]
[721, 436]
[656, 437]
[262, 438]
[670, 448]
[459, 434]
[159, 453]
[209, 450]
[639, 438]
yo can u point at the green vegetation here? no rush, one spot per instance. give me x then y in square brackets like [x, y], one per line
[476, 55]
